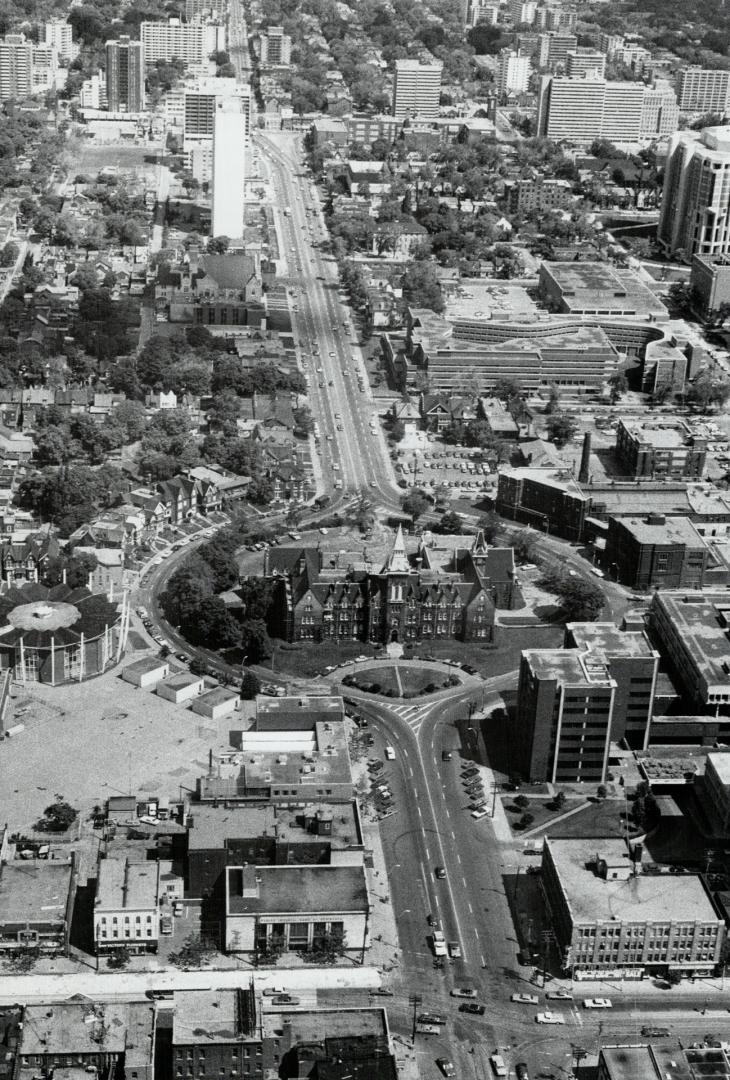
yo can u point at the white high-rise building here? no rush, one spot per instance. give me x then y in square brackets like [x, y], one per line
[229, 168]
[198, 114]
[192, 42]
[581, 110]
[417, 89]
[579, 62]
[514, 72]
[58, 33]
[695, 211]
[16, 67]
[703, 90]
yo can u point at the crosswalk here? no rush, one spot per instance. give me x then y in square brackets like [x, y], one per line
[413, 715]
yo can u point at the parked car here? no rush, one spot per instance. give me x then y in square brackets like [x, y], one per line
[499, 1068]
[550, 1018]
[447, 1067]
[472, 1007]
[655, 1032]
[559, 995]
[521, 1071]
[463, 992]
[431, 1018]
[525, 999]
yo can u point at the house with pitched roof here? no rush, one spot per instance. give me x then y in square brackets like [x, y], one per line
[427, 594]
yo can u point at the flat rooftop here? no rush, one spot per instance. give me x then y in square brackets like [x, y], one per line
[673, 530]
[570, 667]
[303, 707]
[647, 1062]
[300, 889]
[475, 299]
[611, 641]
[219, 695]
[644, 897]
[701, 621]
[35, 891]
[123, 885]
[146, 664]
[74, 1028]
[316, 1026]
[665, 435]
[206, 1016]
[181, 680]
[212, 825]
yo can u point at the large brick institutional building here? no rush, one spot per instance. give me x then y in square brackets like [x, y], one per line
[413, 597]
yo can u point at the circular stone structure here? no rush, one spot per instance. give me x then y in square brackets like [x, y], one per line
[60, 634]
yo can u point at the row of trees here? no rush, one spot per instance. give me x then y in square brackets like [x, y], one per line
[192, 601]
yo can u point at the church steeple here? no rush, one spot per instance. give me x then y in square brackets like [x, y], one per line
[397, 561]
[480, 546]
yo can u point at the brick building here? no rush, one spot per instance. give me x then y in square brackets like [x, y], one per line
[655, 551]
[660, 449]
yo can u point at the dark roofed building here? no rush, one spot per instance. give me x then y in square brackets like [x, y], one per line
[409, 599]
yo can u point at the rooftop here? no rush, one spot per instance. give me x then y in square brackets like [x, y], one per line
[301, 889]
[570, 667]
[665, 434]
[671, 530]
[74, 1028]
[607, 638]
[274, 712]
[598, 285]
[182, 679]
[211, 826]
[700, 620]
[146, 664]
[206, 1016]
[219, 695]
[648, 1062]
[34, 892]
[475, 299]
[643, 897]
[316, 1026]
[123, 885]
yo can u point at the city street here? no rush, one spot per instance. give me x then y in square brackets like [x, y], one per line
[353, 456]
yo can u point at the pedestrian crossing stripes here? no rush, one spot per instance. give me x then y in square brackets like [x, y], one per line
[412, 714]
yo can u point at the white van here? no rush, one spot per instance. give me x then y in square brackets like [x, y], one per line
[498, 1065]
[389, 753]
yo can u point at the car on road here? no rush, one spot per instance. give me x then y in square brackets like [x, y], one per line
[499, 1068]
[655, 1032]
[431, 1018]
[558, 995]
[550, 1018]
[454, 950]
[463, 992]
[479, 814]
[382, 992]
[447, 1067]
[525, 999]
[389, 753]
[472, 1007]
[440, 873]
[285, 999]
[446, 755]
[597, 1003]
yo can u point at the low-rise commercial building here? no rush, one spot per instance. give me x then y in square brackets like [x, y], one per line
[180, 688]
[660, 449]
[653, 551]
[126, 907]
[36, 904]
[589, 288]
[147, 671]
[692, 631]
[610, 914]
[298, 908]
[715, 792]
[106, 1039]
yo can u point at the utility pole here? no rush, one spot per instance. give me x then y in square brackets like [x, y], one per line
[414, 1000]
[495, 789]
[548, 939]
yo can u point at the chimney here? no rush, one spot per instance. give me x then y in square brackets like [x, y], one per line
[585, 459]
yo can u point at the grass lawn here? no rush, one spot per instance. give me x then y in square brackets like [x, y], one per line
[411, 682]
[307, 658]
[600, 818]
[538, 808]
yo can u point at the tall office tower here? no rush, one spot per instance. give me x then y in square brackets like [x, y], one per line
[514, 72]
[660, 111]
[16, 67]
[580, 62]
[58, 33]
[124, 76]
[553, 49]
[417, 89]
[581, 110]
[695, 211]
[275, 47]
[229, 139]
[192, 42]
[702, 90]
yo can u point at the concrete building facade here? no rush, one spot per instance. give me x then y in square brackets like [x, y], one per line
[125, 74]
[416, 89]
[229, 169]
[656, 552]
[703, 90]
[695, 210]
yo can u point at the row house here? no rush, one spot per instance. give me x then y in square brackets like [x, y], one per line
[438, 411]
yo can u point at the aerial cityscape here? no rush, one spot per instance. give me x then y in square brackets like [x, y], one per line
[364, 540]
